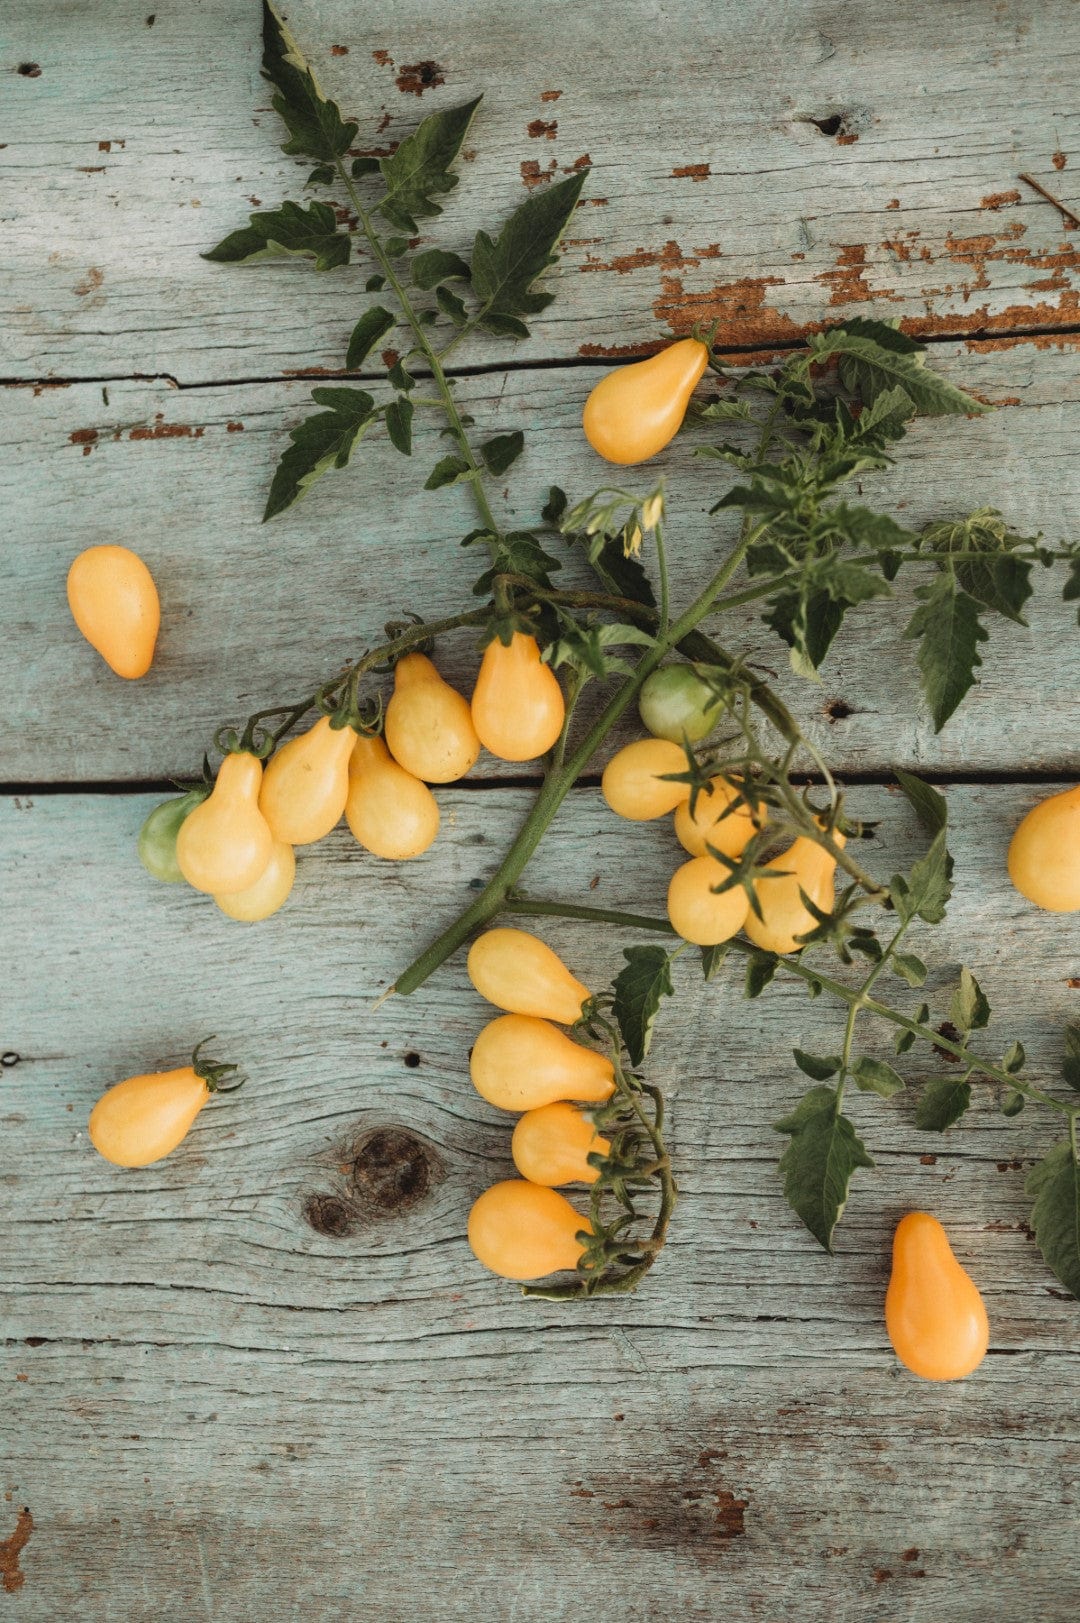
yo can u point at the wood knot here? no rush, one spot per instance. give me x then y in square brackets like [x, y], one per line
[329, 1214]
[393, 1170]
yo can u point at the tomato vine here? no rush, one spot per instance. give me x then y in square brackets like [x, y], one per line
[830, 412]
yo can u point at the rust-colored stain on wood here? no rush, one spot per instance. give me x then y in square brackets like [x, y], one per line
[383, 58]
[416, 77]
[542, 129]
[691, 171]
[10, 1550]
[86, 437]
[339, 50]
[1059, 160]
[846, 282]
[550, 95]
[532, 174]
[999, 200]
[161, 430]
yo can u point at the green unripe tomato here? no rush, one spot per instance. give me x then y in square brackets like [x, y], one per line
[157, 837]
[675, 703]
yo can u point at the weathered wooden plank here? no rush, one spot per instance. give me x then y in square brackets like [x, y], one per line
[768, 170]
[217, 1410]
[258, 616]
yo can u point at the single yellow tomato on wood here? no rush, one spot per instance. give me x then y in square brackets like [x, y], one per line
[523, 1231]
[115, 605]
[934, 1313]
[636, 410]
[144, 1118]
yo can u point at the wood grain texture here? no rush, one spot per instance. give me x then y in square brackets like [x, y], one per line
[216, 1410]
[259, 615]
[714, 193]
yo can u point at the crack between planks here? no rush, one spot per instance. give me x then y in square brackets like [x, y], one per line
[486, 368]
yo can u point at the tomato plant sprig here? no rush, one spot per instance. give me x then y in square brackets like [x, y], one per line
[801, 434]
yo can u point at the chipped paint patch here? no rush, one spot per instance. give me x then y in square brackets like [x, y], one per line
[417, 77]
[161, 430]
[532, 174]
[542, 129]
[10, 1550]
[847, 282]
[691, 171]
[550, 95]
[1059, 160]
[999, 200]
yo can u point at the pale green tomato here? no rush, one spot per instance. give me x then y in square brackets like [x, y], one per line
[157, 837]
[675, 703]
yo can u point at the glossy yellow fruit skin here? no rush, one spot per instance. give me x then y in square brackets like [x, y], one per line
[697, 913]
[518, 707]
[518, 972]
[636, 410]
[306, 783]
[519, 1062]
[934, 1313]
[1044, 854]
[633, 784]
[552, 1145]
[268, 892]
[803, 866]
[144, 1118]
[429, 728]
[520, 1230]
[391, 813]
[115, 605]
[730, 834]
[224, 845]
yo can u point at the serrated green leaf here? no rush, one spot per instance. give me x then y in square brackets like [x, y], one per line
[419, 171]
[639, 989]
[808, 617]
[941, 1103]
[399, 418]
[315, 125]
[949, 631]
[877, 1076]
[818, 1164]
[1054, 1185]
[876, 358]
[323, 441]
[970, 1010]
[587, 648]
[713, 957]
[1013, 1058]
[926, 890]
[451, 306]
[289, 229]
[906, 1039]
[502, 452]
[909, 968]
[449, 470]
[372, 327]
[519, 553]
[555, 506]
[1001, 583]
[1070, 1065]
[504, 270]
[724, 411]
[399, 379]
[435, 265]
[1012, 1103]
[760, 969]
[819, 1069]
[374, 284]
[321, 175]
[932, 808]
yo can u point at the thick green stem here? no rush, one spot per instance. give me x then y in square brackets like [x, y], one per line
[557, 785]
[423, 344]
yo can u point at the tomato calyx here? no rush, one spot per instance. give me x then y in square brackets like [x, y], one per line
[213, 1072]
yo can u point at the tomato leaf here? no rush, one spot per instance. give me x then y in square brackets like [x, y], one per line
[315, 125]
[818, 1164]
[502, 452]
[373, 326]
[399, 417]
[1055, 1186]
[877, 1076]
[949, 632]
[639, 989]
[435, 265]
[504, 270]
[326, 440]
[449, 470]
[819, 1069]
[970, 1010]
[932, 807]
[586, 647]
[908, 968]
[713, 957]
[760, 969]
[519, 554]
[289, 229]
[419, 171]
[1070, 1065]
[876, 357]
[942, 1102]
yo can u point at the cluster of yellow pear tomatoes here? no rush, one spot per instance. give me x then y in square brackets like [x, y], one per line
[522, 1228]
[235, 842]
